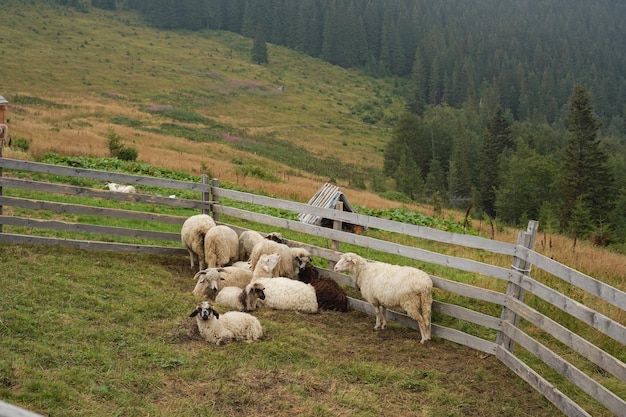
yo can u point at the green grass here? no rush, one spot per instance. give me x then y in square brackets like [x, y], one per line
[101, 334]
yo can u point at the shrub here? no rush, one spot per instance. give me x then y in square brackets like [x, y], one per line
[128, 154]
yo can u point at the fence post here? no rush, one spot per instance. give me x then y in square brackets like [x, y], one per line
[206, 195]
[337, 225]
[215, 199]
[1, 145]
[527, 240]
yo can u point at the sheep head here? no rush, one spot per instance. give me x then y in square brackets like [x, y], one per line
[206, 282]
[269, 262]
[205, 310]
[347, 263]
[301, 257]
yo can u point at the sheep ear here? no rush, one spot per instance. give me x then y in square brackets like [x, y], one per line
[216, 314]
[194, 313]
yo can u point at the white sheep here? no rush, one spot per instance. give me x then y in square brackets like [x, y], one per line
[228, 327]
[283, 293]
[242, 265]
[221, 246]
[128, 189]
[211, 280]
[391, 286]
[291, 259]
[241, 299]
[192, 236]
[265, 266]
[247, 240]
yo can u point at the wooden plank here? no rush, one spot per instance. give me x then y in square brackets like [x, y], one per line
[101, 175]
[556, 397]
[567, 370]
[583, 313]
[368, 242]
[90, 210]
[92, 192]
[591, 285]
[8, 410]
[373, 222]
[91, 245]
[466, 314]
[467, 290]
[436, 330]
[88, 228]
[593, 353]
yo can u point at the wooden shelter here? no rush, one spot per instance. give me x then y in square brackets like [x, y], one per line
[3, 109]
[330, 196]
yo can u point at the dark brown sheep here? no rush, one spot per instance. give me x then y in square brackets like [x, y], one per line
[330, 296]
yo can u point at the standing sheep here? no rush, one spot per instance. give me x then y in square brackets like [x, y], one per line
[330, 296]
[221, 246]
[391, 286]
[291, 259]
[242, 300]
[211, 280]
[192, 236]
[247, 240]
[227, 327]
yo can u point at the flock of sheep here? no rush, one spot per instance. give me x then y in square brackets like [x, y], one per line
[249, 271]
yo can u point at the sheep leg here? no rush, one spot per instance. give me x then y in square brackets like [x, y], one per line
[413, 310]
[377, 326]
[383, 314]
[192, 257]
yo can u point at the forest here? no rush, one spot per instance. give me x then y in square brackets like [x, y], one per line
[513, 107]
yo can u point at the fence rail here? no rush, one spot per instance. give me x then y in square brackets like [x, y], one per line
[511, 303]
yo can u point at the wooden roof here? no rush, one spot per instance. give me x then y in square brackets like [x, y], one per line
[326, 197]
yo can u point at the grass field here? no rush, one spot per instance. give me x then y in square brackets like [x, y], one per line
[100, 334]
[110, 335]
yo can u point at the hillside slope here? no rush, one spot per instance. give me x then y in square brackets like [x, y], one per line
[72, 78]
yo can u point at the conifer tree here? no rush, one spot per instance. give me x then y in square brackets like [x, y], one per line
[259, 48]
[585, 173]
[497, 140]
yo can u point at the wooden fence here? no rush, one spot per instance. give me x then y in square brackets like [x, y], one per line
[511, 304]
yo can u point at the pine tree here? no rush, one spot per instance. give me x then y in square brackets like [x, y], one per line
[418, 86]
[497, 140]
[408, 175]
[259, 48]
[585, 173]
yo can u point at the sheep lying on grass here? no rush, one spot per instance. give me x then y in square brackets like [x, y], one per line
[228, 327]
[287, 294]
[330, 296]
[120, 188]
[283, 293]
[192, 236]
[242, 300]
[391, 286]
[291, 259]
[221, 246]
[211, 280]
